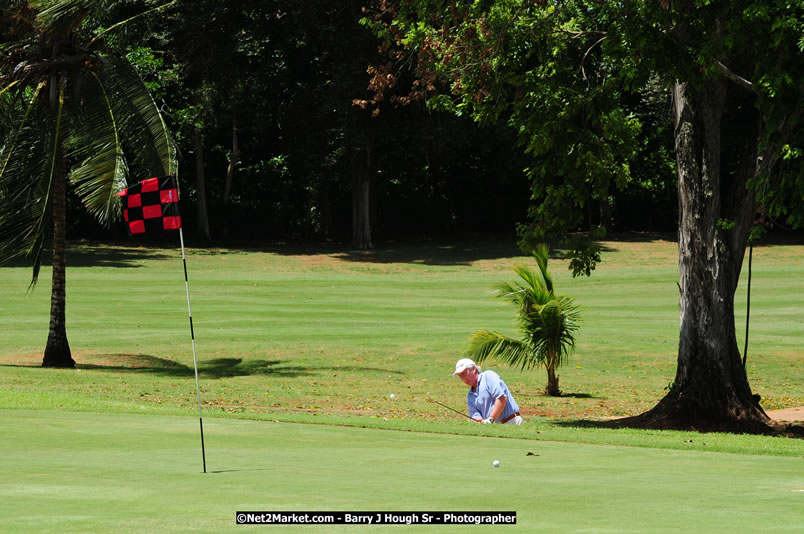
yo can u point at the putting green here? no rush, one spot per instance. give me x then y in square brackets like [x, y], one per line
[85, 472]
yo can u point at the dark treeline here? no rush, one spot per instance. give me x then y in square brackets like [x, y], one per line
[261, 98]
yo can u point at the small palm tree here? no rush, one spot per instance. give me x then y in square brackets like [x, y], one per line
[71, 114]
[548, 323]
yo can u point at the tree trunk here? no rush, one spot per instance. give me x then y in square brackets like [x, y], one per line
[57, 349]
[227, 188]
[324, 226]
[552, 378]
[200, 182]
[711, 390]
[552, 382]
[605, 213]
[361, 201]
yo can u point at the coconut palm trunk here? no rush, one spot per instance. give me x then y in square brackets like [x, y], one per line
[57, 349]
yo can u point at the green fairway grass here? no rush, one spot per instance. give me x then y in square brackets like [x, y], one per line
[294, 332]
[299, 350]
[84, 472]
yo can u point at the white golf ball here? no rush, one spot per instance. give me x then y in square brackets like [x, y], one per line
[496, 463]
[393, 396]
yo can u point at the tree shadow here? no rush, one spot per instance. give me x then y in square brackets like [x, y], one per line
[422, 251]
[99, 255]
[793, 430]
[541, 393]
[589, 423]
[446, 254]
[432, 251]
[462, 251]
[209, 369]
[239, 470]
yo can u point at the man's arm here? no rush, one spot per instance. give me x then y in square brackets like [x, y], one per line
[497, 409]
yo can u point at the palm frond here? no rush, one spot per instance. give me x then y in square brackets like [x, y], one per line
[485, 344]
[527, 295]
[126, 21]
[54, 154]
[571, 324]
[64, 15]
[541, 254]
[26, 180]
[510, 291]
[96, 145]
[143, 130]
[9, 87]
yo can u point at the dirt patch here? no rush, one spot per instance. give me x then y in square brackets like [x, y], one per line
[787, 414]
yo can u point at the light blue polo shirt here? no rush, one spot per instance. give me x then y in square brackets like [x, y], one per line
[490, 387]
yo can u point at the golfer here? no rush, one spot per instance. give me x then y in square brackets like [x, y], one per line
[489, 400]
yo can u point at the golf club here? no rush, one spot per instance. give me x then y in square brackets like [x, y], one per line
[447, 407]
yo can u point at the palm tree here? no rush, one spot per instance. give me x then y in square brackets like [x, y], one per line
[548, 323]
[71, 115]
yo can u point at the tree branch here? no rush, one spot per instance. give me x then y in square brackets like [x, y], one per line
[739, 80]
[583, 71]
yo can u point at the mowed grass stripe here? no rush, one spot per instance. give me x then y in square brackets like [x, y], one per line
[103, 472]
[330, 336]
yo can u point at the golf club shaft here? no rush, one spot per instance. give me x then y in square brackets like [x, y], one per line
[447, 407]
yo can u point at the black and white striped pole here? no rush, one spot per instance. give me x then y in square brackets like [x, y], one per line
[195, 361]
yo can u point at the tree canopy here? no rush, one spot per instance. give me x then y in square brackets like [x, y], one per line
[564, 76]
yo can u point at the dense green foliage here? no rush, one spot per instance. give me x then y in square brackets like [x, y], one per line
[270, 98]
[273, 101]
[285, 77]
[586, 89]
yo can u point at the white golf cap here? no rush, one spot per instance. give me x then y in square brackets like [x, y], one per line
[463, 364]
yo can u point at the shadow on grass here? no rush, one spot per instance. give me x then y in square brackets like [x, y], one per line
[239, 470]
[431, 251]
[563, 395]
[209, 369]
[99, 255]
[462, 251]
[422, 251]
[792, 430]
[459, 253]
[588, 423]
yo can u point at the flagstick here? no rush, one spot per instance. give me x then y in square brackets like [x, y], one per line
[195, 362]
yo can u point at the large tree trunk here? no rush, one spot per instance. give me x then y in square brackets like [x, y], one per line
[361, 201]
[711, 390]
[324, 209]
[227, 187]
[57, 349]
[201, 184]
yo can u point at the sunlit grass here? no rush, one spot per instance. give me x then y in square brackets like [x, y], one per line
[328, 335]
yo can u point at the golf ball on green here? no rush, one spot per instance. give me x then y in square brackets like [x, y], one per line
[393, 396]
[496, 463]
